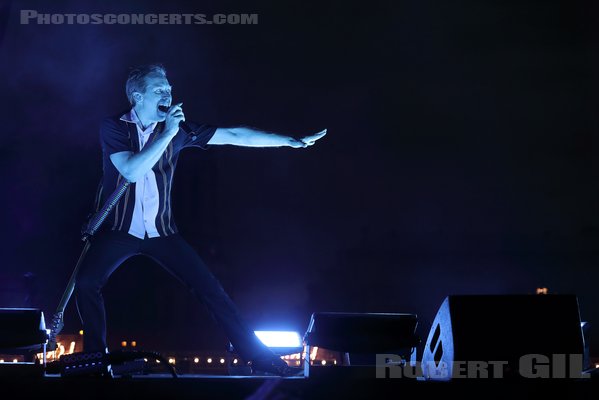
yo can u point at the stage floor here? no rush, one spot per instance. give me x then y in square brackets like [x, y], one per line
[330, 384]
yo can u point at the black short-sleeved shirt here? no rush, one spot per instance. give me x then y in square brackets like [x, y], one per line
[117, 135]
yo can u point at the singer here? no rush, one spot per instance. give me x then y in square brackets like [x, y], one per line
[142, 146]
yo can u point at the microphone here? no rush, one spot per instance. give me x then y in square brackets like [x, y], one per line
[183, 125]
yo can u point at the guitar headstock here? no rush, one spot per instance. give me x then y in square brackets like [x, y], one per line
[55, 327]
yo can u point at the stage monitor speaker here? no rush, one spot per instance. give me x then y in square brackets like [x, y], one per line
[510, 336]
[22, 333]
[22, 328]
[361, 334]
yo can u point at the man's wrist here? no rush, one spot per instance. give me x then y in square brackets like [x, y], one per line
[170, 133]
[293, 142]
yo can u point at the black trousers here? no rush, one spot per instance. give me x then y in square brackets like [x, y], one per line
[110, 249]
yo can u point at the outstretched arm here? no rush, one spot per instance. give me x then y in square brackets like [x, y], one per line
[250, 137]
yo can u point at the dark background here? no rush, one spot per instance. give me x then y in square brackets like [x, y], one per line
[460, 157]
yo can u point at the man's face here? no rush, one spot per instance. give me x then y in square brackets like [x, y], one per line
[157, 93]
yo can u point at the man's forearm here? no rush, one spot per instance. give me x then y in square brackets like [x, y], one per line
[138, 164]
[250, 137]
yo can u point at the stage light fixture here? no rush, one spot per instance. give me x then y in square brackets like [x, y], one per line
[278, 339]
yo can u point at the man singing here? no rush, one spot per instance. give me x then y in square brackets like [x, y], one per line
[142, 147]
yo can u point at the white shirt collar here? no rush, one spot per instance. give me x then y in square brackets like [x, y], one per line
[131, 116]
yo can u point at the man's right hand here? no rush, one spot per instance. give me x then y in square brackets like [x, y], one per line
[173, 117]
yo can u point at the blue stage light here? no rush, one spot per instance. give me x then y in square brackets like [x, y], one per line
[275, 339]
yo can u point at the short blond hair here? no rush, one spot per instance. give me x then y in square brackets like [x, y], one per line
[136, 81]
